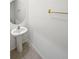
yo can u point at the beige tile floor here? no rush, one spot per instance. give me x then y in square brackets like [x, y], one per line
[28, 53]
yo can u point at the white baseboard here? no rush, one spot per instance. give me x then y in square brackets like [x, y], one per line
[37, 51]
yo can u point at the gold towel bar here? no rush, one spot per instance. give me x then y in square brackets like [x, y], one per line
[50, 11]
[60, 12]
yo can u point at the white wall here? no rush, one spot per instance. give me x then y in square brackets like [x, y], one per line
[49, 32]
[12, 16]
[24, 23]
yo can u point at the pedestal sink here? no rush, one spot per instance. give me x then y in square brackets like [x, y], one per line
[17, 32]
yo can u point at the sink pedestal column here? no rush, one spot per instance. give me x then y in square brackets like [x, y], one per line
[19, 43]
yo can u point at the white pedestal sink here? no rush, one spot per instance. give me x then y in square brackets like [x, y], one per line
[17, 33]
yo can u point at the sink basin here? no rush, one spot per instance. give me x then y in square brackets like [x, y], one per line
[20, 31]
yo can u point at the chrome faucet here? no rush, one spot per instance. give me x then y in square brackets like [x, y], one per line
[18, 27]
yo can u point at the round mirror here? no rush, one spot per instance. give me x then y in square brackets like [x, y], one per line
[17, 11]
